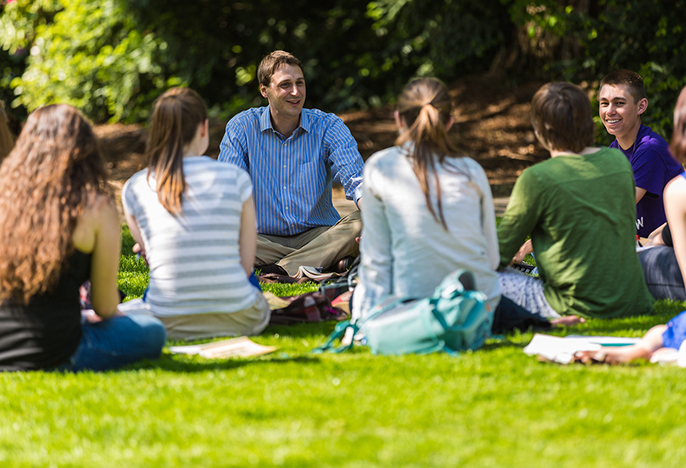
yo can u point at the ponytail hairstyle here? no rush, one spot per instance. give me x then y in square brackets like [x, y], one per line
[425, 106]
[176, 115]
[6, 138]
[54, 173]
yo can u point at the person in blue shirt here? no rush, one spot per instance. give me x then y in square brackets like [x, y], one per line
[293, 155]
[622, 101]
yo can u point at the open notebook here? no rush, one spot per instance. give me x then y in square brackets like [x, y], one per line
[234, 347]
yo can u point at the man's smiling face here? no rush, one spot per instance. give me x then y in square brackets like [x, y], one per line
[286, 91]
[619, 112]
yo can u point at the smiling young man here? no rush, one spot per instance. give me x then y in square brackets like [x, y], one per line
[293, 155]
[622, 101]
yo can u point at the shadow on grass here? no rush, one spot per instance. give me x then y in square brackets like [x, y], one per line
[192, 364]
[301, 330]
[504, 343]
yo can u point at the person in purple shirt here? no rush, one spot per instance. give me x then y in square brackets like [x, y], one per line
[293, 156]
[622, 102]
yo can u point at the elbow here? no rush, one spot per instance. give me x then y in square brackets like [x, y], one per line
[106, 308]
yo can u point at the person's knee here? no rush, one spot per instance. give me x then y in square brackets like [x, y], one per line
[151, 335]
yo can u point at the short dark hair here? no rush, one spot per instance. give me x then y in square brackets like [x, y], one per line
[629, 78]
[272, 62]
[678, 144]
[561, 116]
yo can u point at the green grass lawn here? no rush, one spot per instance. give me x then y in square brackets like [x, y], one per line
[495, 407]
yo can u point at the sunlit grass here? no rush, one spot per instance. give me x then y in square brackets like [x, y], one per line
[495, 407]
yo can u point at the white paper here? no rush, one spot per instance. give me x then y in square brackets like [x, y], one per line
[560, 350]
[241, 347]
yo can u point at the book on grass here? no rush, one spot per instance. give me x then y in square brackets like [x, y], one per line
[314, 273]
[234, 347]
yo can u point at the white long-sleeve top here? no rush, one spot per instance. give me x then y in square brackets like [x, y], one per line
[405, 251]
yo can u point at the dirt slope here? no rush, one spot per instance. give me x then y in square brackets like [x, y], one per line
[492, 126]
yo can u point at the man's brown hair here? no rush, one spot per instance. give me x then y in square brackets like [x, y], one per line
[561, 116]
[629, 78]
[273, 62]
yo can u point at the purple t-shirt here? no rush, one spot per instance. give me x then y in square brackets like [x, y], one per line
[653, 167]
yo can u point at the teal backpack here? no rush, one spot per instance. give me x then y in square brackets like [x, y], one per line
[454, 318]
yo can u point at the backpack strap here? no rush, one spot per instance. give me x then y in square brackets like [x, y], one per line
[341, 328]
[337, 334]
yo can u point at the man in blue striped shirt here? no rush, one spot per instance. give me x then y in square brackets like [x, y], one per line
[293, 155]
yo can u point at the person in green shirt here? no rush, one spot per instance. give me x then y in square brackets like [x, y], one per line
[579, 209]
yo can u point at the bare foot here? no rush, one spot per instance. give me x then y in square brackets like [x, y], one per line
[567, 321]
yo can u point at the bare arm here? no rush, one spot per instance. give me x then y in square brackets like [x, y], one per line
[675, 208]
[247, 238]
[526, 248]
[640, 192]
[105, 261]
[135, 233]
[655, 237]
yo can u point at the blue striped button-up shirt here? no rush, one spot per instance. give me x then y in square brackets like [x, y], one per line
[293, 176]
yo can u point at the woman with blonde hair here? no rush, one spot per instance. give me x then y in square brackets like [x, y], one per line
[428, 211]
[60, 228]
[194, 219]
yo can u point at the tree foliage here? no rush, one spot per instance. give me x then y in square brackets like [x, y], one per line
[111, 58]
[583, 40]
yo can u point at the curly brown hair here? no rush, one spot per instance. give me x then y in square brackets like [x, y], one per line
[48, 180]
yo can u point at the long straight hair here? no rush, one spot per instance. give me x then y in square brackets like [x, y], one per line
[52, 175]
[425, 107]
[176, 115]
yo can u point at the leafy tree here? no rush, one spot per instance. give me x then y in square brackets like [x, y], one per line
[87, 53]
[111, 58]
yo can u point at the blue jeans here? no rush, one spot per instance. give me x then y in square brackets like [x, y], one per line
[113, 343]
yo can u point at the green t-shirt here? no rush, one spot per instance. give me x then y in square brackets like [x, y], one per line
[579, 211]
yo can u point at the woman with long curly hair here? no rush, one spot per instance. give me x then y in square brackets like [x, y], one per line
[194, 219]
[60, 228]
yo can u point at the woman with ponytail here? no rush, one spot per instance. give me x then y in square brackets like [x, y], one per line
[194, 221]
[60, 228]
[428, 211]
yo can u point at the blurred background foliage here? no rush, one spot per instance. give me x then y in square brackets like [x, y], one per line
[111, 58]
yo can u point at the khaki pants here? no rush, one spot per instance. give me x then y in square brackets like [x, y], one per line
[250, 321]
[320, 246]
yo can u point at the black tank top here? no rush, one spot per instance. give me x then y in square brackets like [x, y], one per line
[46, 331]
